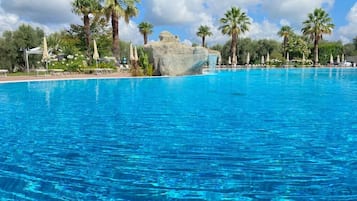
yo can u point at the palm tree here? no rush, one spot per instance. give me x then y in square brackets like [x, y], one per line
[145, 29]
[203, 31]
[319, 23]
[116, 9]
[85, 8]
[285, 32]
[234, 23]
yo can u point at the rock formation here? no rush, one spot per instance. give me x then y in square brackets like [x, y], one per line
[170, 57]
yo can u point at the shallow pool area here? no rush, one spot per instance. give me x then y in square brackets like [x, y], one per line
[253, 134]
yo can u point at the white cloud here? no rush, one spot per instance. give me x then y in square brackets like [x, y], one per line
[218, 8]
[7, 21]
[346, 33]
[265, 30]
[163, 12]
[48, 15]
[41, 11]
[284, 22]
[130, 32]
[294, 11]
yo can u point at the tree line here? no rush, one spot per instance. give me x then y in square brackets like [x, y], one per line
[236, 22]
[101, 22]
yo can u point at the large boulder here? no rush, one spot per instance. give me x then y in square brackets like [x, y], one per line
[170, 57]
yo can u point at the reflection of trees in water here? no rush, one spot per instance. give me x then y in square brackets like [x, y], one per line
[45, 89]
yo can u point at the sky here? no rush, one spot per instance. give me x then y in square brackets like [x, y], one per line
[183, 17]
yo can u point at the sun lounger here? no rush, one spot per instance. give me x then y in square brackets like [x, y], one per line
[56, 71]
[41, 70]
[123, 68]
[98, 71]
[4, 72]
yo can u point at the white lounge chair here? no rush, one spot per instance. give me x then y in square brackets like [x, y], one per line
[124, 68]
[4, 72]
[56, 71]
[41, 70]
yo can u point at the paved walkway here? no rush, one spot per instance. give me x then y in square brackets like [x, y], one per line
[10, 78]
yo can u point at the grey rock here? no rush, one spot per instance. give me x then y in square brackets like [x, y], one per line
[170, 57]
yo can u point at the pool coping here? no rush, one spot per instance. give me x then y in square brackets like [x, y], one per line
[30, 78]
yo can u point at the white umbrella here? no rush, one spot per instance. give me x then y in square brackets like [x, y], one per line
[95, 53]
[262, 61]
[45, 56]
[248, 58]
[229, 60]
[268, 58]
[131, 53]
[287, 57]
[343, 58]
[136, 57]
[338, 59]
[331, 59]
[303, 58]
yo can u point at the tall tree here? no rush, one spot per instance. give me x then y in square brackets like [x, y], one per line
[203, 32]
[145, 29]
[298, 46]
[355, 42]
[285, 32]
[25, 37]
[85, 8]
[116, 9]
[317, 24]
[233, 23]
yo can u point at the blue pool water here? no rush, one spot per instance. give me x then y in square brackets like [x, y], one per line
[262, 134]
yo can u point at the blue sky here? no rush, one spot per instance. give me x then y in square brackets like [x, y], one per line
[183, 17]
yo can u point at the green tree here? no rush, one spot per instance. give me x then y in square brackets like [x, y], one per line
[203, 32]
[85, 8]
[349, 49]
[145, 29]
[28, 37]
[75, 37]
[330, 48]
[217, 47]
[245, 46]
[14, 44]
[8, 50]
[115, 9]
[317, 24]
[297, 46]
[355, 42]
[265, 46]
[233, 23]
[285, 32]
[255, 48]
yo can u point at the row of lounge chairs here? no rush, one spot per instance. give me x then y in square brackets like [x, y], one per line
[97, 71]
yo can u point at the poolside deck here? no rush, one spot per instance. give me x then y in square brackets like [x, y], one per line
[57, 76]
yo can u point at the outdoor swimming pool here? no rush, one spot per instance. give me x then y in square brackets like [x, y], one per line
[259, 134]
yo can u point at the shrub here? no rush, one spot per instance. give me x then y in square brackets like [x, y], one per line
[145, 65]
[72, 63]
